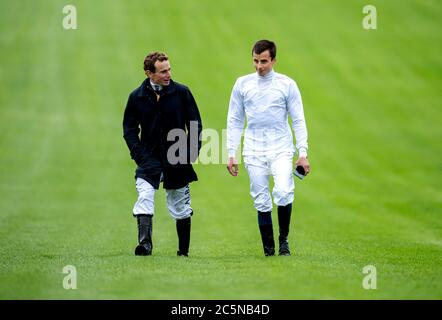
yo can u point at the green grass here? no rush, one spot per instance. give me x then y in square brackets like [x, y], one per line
[373, 107]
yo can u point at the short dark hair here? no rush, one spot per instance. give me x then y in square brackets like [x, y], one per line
[151, 58]
[263, 45]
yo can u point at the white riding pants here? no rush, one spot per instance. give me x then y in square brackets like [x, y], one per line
[178, 200]
[260, 168]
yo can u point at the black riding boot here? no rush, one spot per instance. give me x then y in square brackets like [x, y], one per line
[145, 246]
[284, 213]
[266, 230]
[183, 231]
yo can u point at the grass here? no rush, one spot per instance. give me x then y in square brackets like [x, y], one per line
[372, 102]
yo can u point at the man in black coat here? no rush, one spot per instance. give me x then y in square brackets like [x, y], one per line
[170, 140]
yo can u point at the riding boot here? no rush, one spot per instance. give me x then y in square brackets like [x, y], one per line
[183, 231]
[284, 213]
[145, 246]
[266, 230]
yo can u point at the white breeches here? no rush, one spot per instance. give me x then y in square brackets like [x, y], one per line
[260, 168]
[178, 200]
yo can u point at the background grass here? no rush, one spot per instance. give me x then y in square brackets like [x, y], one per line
[373, 108]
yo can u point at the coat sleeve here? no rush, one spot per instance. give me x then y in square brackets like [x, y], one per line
[131, 130]
[194, 127]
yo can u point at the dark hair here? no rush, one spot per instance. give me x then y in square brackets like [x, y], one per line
[263, 45]
[151, 58]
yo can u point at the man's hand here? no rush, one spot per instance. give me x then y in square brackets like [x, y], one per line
[303, 162]
[232, 167]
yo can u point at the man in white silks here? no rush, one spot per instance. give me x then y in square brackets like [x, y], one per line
[266, 99]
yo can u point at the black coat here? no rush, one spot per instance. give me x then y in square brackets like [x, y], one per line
[175, 108]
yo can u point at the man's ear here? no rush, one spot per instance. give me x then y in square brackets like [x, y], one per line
[149, 73]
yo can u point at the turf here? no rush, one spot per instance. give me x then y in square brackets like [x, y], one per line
[373, 108]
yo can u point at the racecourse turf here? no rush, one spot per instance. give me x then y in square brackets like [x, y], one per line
[372, 102]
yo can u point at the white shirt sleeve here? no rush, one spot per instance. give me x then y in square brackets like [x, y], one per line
[235, 120]
[296, 111]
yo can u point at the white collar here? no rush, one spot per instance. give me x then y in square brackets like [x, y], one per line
[156, 86]
[268, 76]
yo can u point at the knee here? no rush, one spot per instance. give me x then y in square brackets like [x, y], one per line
[144, 195]
[144, 206]
[145, 202]
[179, 213]
[262, 202]
[179, 203]
[283, 198]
